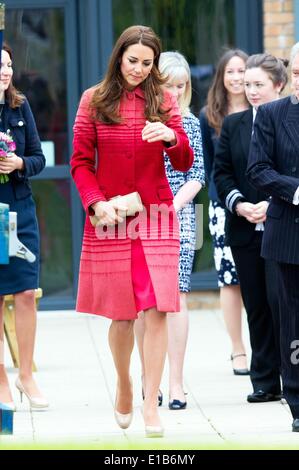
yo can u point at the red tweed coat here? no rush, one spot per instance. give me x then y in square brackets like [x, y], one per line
[126, 163]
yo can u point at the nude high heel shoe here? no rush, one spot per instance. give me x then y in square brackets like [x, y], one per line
[154, 431]
[35, 402]
[123, 420]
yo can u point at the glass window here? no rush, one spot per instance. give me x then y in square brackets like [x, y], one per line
[199, 29]
[53, 204]
[38, 41]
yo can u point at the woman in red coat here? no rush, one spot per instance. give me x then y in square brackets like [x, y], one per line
[129, 264]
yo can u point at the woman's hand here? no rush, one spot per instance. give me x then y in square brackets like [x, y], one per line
[176, 205]
[254, 213]
[107, 212]
[186, 194]
[11, 163]
[155, 131]
[261, 210]
[246, 209]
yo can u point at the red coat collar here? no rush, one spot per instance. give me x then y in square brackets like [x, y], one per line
[137, 91]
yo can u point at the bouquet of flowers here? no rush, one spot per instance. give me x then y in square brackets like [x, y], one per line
[7, 146]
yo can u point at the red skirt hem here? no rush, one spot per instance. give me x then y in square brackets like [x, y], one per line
[142, 284]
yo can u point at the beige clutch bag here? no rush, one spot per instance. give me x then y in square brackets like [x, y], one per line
[132, 201]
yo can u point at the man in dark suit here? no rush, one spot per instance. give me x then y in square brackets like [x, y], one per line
[273, 167]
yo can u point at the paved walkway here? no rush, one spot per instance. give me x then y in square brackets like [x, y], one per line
[76, 373]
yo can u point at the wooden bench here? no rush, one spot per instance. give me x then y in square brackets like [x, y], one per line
[9, 326]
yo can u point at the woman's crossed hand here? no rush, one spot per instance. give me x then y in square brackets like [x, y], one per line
[108, 212]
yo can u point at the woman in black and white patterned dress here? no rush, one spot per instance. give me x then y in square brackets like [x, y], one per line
[184, 186]
[226, 96]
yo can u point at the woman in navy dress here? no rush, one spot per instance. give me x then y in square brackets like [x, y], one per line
[184, 186]
[19, 277]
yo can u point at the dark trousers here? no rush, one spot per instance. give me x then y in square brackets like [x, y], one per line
[272, 289]
[288, 278]
[256, 281]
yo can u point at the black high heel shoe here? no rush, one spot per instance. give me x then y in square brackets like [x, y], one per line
[160, 397]
[239, 371]
[177, 405]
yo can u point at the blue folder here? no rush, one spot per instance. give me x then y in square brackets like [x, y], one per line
[6, 419]
[4, 233]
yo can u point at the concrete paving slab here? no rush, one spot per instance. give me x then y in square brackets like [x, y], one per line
[76, 373]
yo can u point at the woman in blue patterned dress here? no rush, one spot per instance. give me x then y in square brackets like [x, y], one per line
[184, 186]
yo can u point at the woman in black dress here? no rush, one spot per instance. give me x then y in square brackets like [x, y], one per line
[19, 277]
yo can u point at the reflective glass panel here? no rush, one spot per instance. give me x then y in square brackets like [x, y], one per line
[38, 41]
[53, 205]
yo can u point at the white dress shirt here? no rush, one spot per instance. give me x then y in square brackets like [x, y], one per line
[260, 226]
[296, 197]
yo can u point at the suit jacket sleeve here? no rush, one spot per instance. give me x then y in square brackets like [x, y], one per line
[83, 160]
[33, 158]
[224, 174]
[180, 154]
[262, 163]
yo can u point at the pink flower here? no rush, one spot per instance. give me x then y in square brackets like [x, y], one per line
[5, 137]
[7, 145]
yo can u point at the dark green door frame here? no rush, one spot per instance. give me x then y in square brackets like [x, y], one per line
[249, 25]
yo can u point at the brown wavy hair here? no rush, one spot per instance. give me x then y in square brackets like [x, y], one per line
[14, 97]
[217, 102]
[106, 97]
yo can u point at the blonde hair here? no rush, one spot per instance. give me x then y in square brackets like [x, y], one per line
[173, 65]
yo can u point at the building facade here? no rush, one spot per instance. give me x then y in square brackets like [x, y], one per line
[279, 26]
[61, 47]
